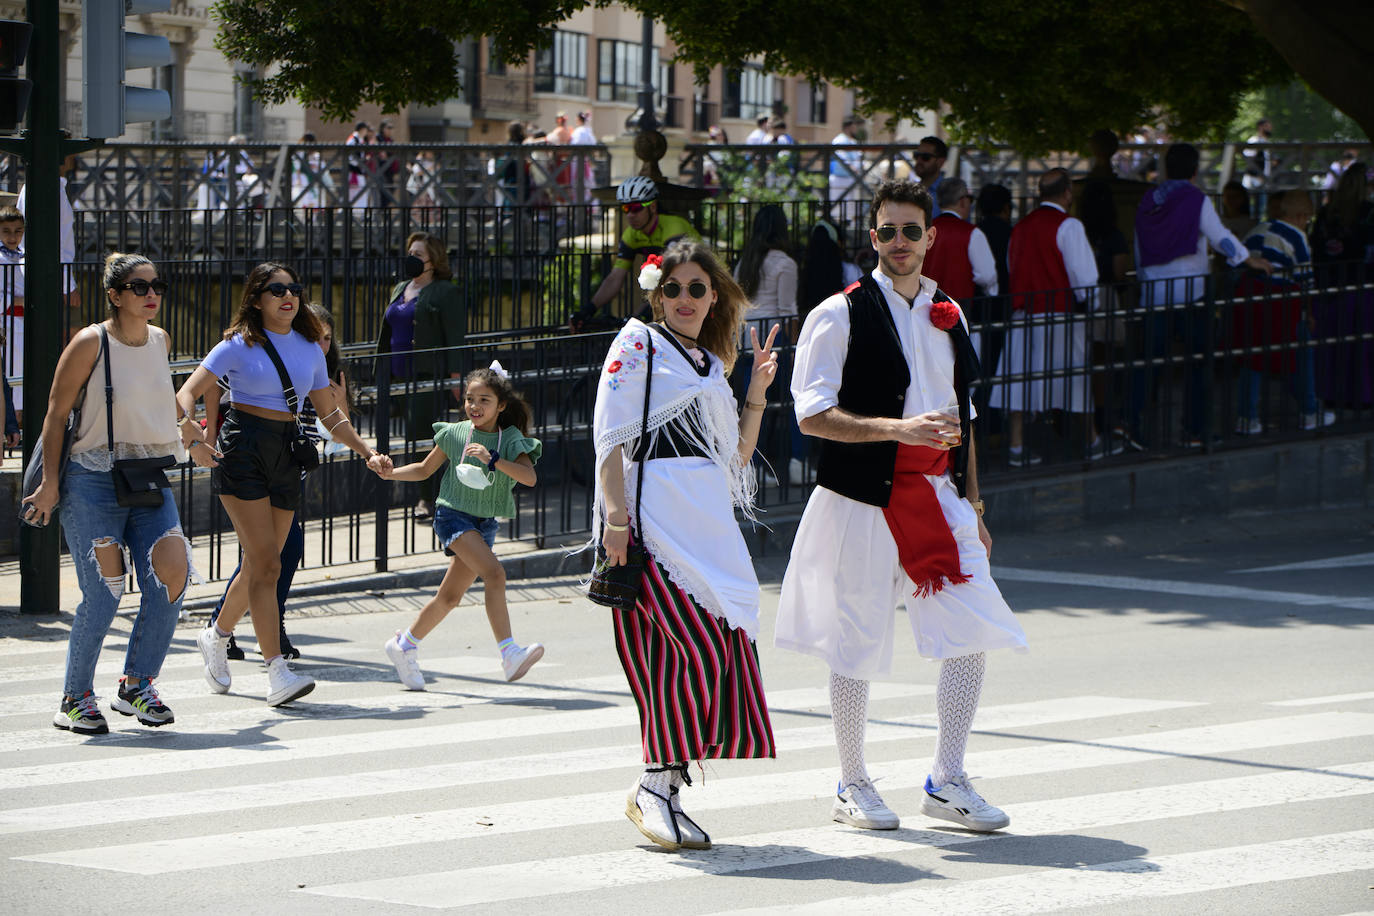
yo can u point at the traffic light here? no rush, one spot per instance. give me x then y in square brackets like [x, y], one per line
[107, 104]
[14, 90]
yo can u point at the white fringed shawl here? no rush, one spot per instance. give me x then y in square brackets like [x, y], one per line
[701, 493]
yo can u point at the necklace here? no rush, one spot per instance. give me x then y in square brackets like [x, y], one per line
[114, 330]
[667, 327]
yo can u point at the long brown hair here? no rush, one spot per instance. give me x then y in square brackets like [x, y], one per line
[248, 320]
[517, 411]
[721, 329]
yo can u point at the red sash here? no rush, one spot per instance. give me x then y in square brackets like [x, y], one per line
[925, 545]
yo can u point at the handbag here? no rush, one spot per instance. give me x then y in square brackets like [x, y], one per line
[138, 482]
[303, 450]
[618, 586]
[33, 474]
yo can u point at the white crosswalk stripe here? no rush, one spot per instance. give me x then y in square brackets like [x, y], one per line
[500, 776]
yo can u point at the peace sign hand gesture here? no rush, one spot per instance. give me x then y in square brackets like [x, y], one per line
[765, 364]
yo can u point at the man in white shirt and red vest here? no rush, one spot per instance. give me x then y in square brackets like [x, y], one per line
[960, 259]
[1053, 273]
[882, 380]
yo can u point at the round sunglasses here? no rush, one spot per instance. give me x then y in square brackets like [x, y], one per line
[141, 287]
[913, 231]
[281, 289]
[696, 289]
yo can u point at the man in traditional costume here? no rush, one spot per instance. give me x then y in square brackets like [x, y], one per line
[882, 379]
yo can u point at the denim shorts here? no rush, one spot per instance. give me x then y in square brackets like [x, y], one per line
[449, 524]
[257, 460]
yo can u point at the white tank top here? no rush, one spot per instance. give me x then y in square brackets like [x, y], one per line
[145, 410]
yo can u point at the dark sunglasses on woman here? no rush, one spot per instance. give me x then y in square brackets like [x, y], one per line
[696, 289]
[141, 287]
[913, 231]
[281, 289]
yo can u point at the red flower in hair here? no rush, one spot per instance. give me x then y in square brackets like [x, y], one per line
[944, 315]
[654, 259]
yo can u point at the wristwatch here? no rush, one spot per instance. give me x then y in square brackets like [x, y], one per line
[977, 505]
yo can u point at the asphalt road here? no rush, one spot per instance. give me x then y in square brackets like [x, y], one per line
[1193, 731]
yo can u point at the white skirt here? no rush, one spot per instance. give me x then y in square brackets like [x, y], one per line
[844, 581]
[689, 526]
[1060, 346]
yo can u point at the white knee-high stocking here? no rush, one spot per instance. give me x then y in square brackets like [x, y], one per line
[956, 700]
[849, 714]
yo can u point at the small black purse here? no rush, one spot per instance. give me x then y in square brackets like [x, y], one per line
[619, 586]
[138, 482]
[303, 449]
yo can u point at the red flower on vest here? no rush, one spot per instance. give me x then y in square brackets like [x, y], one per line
[944, 315]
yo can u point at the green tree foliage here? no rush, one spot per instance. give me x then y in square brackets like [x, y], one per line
[1297, 113]
[1038, 75]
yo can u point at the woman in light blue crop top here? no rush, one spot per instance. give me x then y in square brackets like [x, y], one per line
[258, 478]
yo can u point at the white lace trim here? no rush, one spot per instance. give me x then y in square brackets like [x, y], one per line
[98, 459]
[687, 578]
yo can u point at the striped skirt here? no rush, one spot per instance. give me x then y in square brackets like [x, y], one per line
[694, 677]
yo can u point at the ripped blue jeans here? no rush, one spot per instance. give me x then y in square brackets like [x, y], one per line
[92, 518]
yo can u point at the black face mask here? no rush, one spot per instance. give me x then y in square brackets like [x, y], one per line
[412, 266]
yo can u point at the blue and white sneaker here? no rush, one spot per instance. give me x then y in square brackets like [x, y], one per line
[957, 801]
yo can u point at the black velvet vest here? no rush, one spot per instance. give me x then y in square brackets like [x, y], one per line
[874, 384]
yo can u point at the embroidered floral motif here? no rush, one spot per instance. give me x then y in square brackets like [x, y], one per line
[614, 367]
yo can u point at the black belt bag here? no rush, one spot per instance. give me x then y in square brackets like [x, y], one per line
[303, 449]
[138, 482]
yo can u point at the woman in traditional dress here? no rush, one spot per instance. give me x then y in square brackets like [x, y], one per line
[687, 646]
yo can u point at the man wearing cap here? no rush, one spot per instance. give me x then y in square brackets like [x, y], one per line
[882, 380]
[648, 232]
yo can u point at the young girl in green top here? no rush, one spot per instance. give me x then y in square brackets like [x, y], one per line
[488, 454]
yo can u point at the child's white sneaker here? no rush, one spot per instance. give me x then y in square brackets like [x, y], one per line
[517, 662]
[406, 663]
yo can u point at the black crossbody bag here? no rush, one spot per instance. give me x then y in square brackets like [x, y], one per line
[138, 482]
[618, 586]
[303, 449]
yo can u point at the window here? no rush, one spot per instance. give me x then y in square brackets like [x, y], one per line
[496, 64]
[748, 92]
[617, 78]
[814, 102]
[562, 66]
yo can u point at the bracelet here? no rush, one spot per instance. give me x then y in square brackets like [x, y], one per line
[750, 404]
[610, 526]
[977, 505]
[491, 465]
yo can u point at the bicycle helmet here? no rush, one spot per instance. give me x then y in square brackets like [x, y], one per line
[637, 190]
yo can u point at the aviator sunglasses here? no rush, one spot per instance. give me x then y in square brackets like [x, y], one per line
[913, 231]
[696, 289]
[141, 287]
[281, 289]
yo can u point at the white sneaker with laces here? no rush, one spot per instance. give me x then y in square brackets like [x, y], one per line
[957, 801]
[285, 685]
[517, 662]
[214, 651]
[859, 805]
[406, 662]
[1250, 427]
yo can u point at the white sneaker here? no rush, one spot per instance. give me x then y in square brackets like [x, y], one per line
[860, 805]
[518, 662]
[957, 801]
[651, 812]
[285, 685]
[1321, 418]
[214, 649]
[406, 663]
[1251, 427]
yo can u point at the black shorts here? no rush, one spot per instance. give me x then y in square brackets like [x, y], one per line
[257, 460]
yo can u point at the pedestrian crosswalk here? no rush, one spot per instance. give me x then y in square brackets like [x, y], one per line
[485, 796]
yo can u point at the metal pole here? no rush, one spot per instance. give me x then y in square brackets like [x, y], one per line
[647, 121]
[45, 299]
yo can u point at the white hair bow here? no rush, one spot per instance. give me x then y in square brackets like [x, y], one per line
[498, 369]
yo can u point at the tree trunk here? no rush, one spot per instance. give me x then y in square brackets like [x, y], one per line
[1330, 45]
